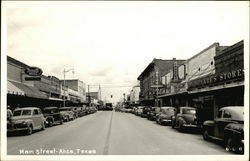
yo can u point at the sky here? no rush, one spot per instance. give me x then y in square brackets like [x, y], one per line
[111, 43]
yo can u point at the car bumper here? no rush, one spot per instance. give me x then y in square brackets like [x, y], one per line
[191, 125]
[166, 120]
[17, 129]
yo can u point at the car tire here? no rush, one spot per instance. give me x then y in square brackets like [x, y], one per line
[29, 130]
[50, 123]
[206, 135]
[61, 121]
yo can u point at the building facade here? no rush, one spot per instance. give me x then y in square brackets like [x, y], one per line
[150, 80]
[134, 95]
[45, 91]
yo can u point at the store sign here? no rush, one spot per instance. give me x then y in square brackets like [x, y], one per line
[175, 71]
[217, 78]
[182, 72]
[33, 71]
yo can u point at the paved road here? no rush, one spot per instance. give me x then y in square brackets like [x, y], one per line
[111, 133]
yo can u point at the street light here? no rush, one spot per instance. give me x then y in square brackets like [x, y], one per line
[65, 71]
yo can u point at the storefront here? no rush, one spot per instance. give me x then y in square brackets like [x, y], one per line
[225, 87]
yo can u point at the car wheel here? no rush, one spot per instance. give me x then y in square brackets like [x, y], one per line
[50, 123]
[205, 135]
[29, 130]
[61, 121]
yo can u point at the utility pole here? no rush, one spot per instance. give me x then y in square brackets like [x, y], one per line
[88, 95]
[100, 91]
[157, 72]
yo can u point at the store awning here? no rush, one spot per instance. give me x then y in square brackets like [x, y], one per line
[12, 89]
[29, 91]
[55, 99]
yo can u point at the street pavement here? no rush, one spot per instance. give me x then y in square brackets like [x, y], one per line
[111, 133]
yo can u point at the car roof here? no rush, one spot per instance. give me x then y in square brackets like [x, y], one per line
[65, 107]
[48, 108]
[236, 111]
[166, 107]
[186, 107]
[27, 108]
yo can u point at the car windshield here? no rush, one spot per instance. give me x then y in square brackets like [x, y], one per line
[50, 111]
[189, 111]
[17, 113]
[22, 112]
[65, 109]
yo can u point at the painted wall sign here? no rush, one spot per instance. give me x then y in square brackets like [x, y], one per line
[234, 74]
[33, 71]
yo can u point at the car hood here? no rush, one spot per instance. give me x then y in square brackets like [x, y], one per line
[189, 118]
[236, 126]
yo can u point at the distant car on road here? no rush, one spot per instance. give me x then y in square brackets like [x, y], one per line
[227, 127]
[67, 113]
[26, 119]
[165, 115]
[52, 116]
[185, 118]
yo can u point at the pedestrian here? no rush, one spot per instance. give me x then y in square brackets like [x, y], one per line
[9, 113]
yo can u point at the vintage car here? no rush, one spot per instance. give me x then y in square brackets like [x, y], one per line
[152, 113]
[145, 111]
[92, 109]
[165, 115]
[227, 127]
[26, 119]
[185, 118]
[67, 113]
[139, 110]
[52, 116]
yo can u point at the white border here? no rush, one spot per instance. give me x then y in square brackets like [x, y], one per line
[13, 4]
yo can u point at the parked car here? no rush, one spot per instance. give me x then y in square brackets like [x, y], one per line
[228, 127]
[145, 111]
[26, 119]
[153, 112]
[52, 116]
[165, 115]
[139, 110]
[92, 109]
[185, 118]
[67, 113]
[134, 110]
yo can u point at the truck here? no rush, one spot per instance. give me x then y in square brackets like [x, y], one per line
[108, 107]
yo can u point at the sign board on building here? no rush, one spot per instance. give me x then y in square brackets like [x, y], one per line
[175, 71]
[182, 71]
[34, 73]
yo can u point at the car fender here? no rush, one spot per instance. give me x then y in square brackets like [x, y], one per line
[209, 123]
[181, 120]
[235, 130]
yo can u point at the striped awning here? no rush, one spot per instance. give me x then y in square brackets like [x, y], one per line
[26, 90]
[12, 89]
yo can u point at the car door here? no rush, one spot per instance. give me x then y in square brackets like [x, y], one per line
[40, 118]
[226, 119]
[35, 118]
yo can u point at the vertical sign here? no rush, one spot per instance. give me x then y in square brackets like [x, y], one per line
[175, 71]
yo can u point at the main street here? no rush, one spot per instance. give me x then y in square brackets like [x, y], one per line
[111, 133]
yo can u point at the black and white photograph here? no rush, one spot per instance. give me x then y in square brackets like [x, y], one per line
[125, 80]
